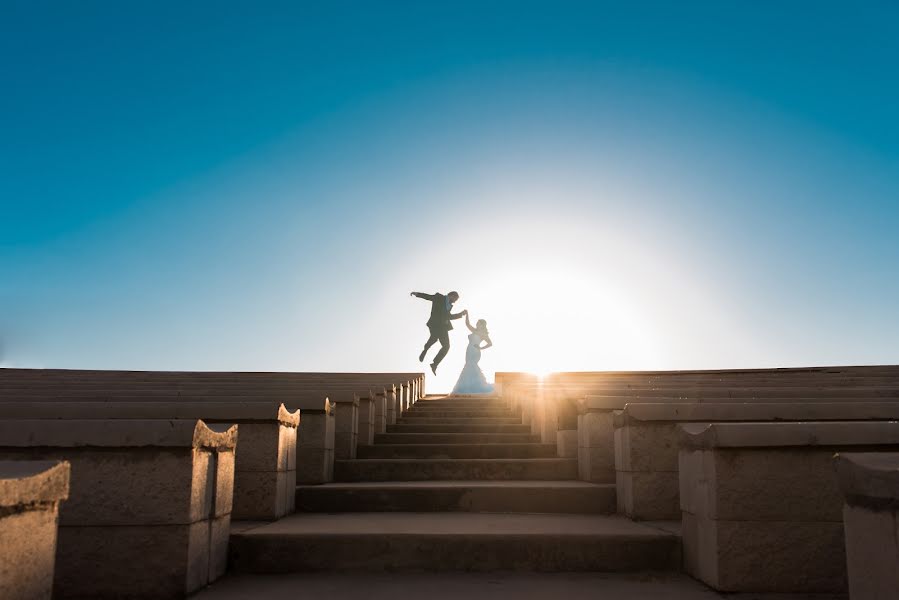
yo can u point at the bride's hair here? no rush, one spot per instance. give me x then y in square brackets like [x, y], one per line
[482, 327]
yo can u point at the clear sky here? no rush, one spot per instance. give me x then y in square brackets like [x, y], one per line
[192, 185]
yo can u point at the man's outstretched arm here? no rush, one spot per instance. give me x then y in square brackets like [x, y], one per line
[458, 315]
[424, 296]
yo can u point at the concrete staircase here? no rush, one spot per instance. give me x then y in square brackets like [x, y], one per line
[456, 484]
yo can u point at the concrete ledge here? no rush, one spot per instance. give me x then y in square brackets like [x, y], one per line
[786, 411]
[132, 433]
[268, 436]
[762, 435]
[30, 493]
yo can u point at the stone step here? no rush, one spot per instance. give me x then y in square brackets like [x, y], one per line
[455, 438]
[414, 419]
[502, 450]
[435, 469]
[452, 542]
[460, 414]
[461, 406]
[465, 428]
[459, 496]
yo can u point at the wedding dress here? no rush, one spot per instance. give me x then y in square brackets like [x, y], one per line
[471, 379]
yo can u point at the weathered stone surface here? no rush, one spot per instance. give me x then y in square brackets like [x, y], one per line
[261, 448]
[567, 443]
[266, 498]
[366, 421]
[762, 509]
[148, 561]
[315, 465]
[25, 482]
[756, 411]
[30, 493]
[869, 478]
[596, 449]
[758, 435]
[147, 504]
[870, 484]
[648, 495]
[872, 552]
[647, 447]
[117, 433]
[754, 556]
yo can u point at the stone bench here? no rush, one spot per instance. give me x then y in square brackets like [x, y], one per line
[761, 507]
[265, 460]
[30, 493]
[596, 426]
[149, 505]
[646, 438]
[870, 486]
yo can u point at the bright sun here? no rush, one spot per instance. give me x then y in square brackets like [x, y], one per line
[553, 319]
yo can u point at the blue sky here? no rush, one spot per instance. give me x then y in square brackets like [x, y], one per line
[258, 186]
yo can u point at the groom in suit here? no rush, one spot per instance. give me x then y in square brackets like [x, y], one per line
[439, 324]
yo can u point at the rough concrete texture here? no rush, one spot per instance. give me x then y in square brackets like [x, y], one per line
[596, 447]
[30, 493]
[167, 561]
[115, 433]
[453, 542]
[762, 519]
[648, 496]
[760, 435]
[150, 505]
[315, 448]
[464, 496]
[870, 484]
[400, 469]
[482, 450]
[872, 552]
[477, 586]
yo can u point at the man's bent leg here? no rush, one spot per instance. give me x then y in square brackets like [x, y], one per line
[444, 347]
[428, 345]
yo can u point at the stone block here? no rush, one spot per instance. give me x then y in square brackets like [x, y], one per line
[345, 444]
[143, 493]
[758, 556]
[646, 447]
[316, 431]
[264, 495]
[870, 485]
[315, 465]
[146, 561]
[566, 443]
[30, 494]
[762, 508]
[648, 495]
[261, 447]
[380, 413]
[872, 552]
[595, 465]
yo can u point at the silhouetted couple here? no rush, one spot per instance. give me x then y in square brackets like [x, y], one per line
[471, 380]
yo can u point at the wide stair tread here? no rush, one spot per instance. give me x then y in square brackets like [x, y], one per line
[406, 469]
[427, 427]
[452, 542]
[493, 450]
[455, 438]
[459, 496]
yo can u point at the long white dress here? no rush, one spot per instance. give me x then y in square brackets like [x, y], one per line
[471, 379]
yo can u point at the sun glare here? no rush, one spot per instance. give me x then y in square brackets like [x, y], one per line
[555, 319]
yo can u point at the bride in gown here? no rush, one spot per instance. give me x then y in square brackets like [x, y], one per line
[471, 379]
